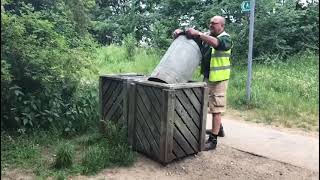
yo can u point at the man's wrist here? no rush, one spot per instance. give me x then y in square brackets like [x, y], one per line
[200, 34]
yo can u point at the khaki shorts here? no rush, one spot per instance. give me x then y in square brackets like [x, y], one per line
[217, 96]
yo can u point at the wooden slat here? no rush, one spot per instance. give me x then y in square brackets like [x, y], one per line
[189, 108]
[139, 145]
[188, 85]
[189, 137]
[113, 97]
[106, 85]
[114, 104]
[182, 141]
[198, 93]
[155, 84]
[122, 76]
[104, 95]
[116, 117]
[107, 97]
[171, 86]
[157, 92]
[143, 138]
[178, 151]
[148, 134]
[147, 106]
[146, 114]
[193, 99]
[146, 118]
[114, 107]
[107, 93]
[203, 117]
[187, 119]
[154, 101]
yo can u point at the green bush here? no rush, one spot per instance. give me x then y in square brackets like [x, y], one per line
[129, 44]
[42, 69]
[280, 31]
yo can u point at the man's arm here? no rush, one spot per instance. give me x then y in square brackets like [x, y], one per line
[212, 41]
[222, 43]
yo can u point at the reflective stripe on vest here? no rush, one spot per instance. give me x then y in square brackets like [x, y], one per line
[220, 64]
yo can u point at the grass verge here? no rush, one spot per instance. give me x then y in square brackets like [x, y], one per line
[50, 155]
[283, 94]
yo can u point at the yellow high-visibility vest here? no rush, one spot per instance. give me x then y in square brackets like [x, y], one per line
[220, 64]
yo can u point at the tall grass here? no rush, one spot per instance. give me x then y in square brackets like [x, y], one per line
[49, 155]
[284, 94]
[113, 59]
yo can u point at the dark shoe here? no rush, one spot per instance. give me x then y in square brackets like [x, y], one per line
[211, 144]
[220, 134]
[210, 138]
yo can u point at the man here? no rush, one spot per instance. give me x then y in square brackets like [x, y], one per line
[216, 71]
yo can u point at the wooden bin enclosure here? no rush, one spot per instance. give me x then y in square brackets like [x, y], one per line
[113, 98]
[167, 121]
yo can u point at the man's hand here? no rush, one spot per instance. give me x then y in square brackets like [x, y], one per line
[193, 33]
[176, 33]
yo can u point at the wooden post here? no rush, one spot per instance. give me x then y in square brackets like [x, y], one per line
[203, 117]
[100, 98]
[125, 106]
[131, 113]
[167, 123]
[101, 119]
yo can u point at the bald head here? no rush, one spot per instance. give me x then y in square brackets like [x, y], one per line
[217, 24]
[219, 19]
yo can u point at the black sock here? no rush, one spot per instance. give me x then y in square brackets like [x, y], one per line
[212, 136]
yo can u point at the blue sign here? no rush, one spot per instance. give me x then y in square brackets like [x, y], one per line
[245, 6]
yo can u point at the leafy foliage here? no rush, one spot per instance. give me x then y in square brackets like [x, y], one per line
[41, 68]
[48, 48]
[280, 27]
[129, 44]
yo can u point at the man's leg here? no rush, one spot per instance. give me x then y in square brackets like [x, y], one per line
[217, 105]
[216, 122]
[212, 141]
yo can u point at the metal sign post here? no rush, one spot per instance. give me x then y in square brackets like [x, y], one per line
[251, 29]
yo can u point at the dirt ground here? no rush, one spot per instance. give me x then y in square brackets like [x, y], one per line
[224, 163]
